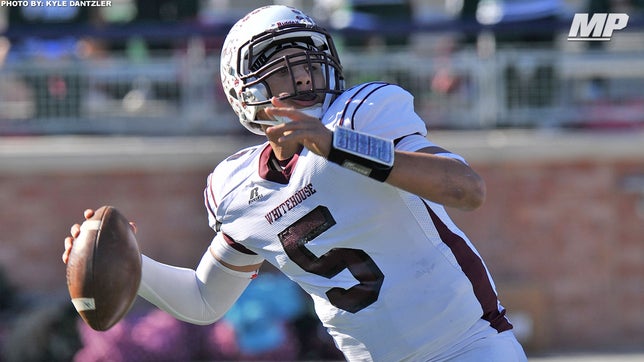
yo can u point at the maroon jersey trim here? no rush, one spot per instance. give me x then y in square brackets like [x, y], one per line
[237, 246]
[473, 267]
[268, 173]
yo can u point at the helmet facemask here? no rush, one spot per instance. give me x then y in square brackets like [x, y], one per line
[317, 56]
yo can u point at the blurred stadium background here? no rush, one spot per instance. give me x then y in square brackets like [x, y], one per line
[122, 105]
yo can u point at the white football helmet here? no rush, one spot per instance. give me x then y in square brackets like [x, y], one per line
[247, 50]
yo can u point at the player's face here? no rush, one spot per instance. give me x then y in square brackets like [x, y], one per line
[300, 82]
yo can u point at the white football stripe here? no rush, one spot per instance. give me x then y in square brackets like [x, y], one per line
[90, 225]
[83, 304]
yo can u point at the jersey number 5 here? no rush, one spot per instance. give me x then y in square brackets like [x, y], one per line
[294, 239]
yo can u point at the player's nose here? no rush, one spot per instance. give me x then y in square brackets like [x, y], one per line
[302, 77]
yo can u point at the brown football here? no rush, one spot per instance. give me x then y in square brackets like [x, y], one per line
[104, 269]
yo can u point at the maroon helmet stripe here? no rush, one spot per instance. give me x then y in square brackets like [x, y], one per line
[475, 271]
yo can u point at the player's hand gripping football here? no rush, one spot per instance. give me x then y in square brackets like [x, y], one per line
[304, 129]
[75, 231]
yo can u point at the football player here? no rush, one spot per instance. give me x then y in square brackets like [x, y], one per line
[347, 198]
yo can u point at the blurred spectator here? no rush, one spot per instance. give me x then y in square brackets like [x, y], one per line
[511, 20]
[149, 337]
[445, 80]
[374, 23]
[45, 332]
[7, 292]
[165, 12]
[31, 331]
[270, 321]
[5, 45]
[259, 325]
[515, 23]
[15, 95]
[56, 93]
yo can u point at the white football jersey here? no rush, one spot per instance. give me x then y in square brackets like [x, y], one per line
[391, 276]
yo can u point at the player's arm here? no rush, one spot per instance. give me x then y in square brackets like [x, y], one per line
[204, 295]
[428, 171]
[440, 179]
[200, 296]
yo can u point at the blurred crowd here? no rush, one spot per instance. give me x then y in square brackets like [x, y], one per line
[48, 50]
[44, 51]
[168, 23]
[272, 321]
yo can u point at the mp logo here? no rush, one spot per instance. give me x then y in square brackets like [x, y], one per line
[599, 27]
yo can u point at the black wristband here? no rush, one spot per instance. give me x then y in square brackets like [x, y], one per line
[365, 154]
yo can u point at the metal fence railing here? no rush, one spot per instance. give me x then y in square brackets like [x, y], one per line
[181, 94]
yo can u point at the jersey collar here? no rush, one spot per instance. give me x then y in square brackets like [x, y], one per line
[268, 172]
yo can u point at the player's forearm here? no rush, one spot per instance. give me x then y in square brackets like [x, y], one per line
[199, 297]
[439, 179]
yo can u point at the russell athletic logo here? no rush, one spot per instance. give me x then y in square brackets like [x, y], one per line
[599, 27]
[254, 195]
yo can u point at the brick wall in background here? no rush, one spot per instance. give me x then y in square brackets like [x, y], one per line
[562, 230]
[167, 207]
[566, 245]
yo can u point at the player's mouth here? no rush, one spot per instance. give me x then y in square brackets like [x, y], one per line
[306, 99]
